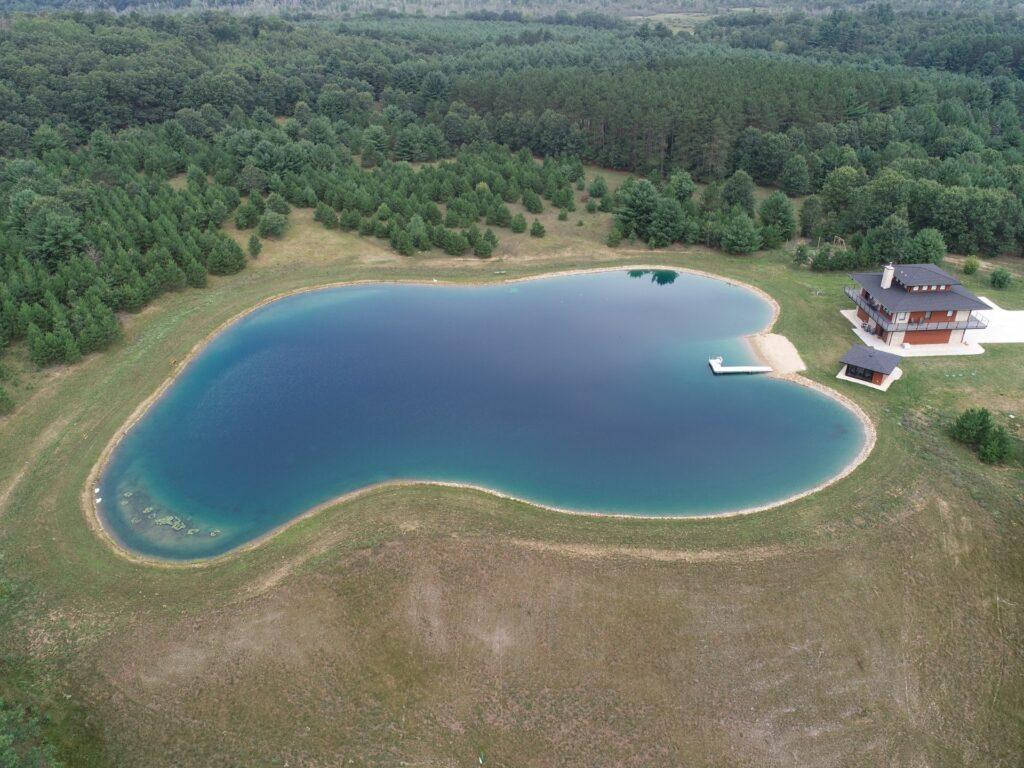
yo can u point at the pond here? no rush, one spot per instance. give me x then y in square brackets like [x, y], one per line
[586, 392]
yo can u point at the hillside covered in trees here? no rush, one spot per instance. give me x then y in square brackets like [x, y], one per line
[266, 113]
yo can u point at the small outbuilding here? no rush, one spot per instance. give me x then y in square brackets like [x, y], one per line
[871, 367]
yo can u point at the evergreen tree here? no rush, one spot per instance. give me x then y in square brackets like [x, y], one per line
[537, 229]
[739, 191]
[226, 257]
[927, 247]
[277, 204]
[739, 233]
[637, 200]
[325, 215]
[681, 186]
[777, 212]
[255, 246]
[666, 223]
[888, 242]
[272, 224]
[532, 202]
[246, 216]
[482, 248]
[795, 179]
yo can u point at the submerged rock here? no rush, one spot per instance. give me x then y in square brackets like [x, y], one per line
[175, 523]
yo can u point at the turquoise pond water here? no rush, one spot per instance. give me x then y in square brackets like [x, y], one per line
[587, 392]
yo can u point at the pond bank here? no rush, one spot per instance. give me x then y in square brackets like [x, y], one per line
[677, 327]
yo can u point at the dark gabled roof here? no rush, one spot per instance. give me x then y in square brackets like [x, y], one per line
[896, 299]
[872, 359]
[923, 274]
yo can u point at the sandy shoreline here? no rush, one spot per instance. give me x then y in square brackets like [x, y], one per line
[776, 350]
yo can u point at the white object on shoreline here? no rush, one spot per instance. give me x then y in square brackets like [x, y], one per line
[718, 369]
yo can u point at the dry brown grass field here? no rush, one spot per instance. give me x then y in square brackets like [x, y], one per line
[879, 622]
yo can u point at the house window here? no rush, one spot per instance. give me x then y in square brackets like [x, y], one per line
[856, 372]
[927, 315]
[949, 313]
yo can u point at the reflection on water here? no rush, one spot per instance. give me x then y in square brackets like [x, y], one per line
[658, 276]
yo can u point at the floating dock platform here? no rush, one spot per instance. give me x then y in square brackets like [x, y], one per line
[718, 369]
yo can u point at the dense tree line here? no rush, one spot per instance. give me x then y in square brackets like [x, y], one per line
[968, 40]
[724, 215]
[268, 113]
[90, 233]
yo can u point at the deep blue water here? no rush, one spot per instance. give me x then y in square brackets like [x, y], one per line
[588, 392]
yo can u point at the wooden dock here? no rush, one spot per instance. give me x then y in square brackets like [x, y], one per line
[718, 369]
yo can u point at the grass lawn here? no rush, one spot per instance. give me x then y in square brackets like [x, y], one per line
[879, 621]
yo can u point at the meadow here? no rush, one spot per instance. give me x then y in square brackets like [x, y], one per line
[876, 622]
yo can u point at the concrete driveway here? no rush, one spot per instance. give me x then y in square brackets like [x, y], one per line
[1004, 326]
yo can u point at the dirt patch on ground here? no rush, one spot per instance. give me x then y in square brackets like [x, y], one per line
[593, 552]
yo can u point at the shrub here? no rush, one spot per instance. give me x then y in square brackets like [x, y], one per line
[1001, 278]
[971, 265]
[563, 215]
[537, 229]
[972, 426]
[272, 224]
[996, 447]
[614, 238]
[591, 206]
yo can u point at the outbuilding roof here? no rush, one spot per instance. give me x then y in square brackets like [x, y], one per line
[924, 274]
[871, 359]
[896, 299]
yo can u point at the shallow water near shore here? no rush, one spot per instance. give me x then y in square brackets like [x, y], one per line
[587, 392]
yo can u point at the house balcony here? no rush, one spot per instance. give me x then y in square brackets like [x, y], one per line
[874, 312]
